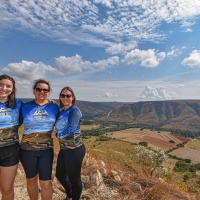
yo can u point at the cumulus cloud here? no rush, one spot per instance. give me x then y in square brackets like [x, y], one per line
[77, 64]
[157, 93]
[110, 94]
[70, 64]
[193, 60]
[148, 58]
[29, 70]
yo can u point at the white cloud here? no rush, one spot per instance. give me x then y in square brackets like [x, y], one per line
[107, 3]
[193, 60]
[157, 93]
[29, 70]
[76, 64]
[188, 23]
[70, 64]
[98, 23]
[120, 48]
[174, 52]
[188, 30]
[147, 58]
[110, 94]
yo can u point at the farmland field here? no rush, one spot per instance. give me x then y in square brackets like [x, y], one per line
[194, 144]
[153, 138]
[88, 127]
[187, 153]
[161, 140]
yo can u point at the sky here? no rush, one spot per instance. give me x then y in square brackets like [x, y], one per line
[117, 50]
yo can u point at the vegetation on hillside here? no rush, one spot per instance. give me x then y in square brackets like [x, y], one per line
[120, 154]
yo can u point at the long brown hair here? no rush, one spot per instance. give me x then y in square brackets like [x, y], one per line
[73, 95]
[12, 96]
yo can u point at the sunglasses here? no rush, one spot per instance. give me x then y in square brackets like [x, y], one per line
[42, 89]
[65, 95]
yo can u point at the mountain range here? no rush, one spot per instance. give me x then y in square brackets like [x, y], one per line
[176, 114]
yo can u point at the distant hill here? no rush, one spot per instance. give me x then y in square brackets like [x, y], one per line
[89, 109]
[177, 114]
[95, 109]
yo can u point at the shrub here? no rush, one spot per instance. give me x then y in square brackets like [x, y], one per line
[103, 138]
[151, 160]
[188, 160]
[145, 144]
[181, 166]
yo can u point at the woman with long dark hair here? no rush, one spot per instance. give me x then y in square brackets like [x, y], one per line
[10, 112]
[72, 149]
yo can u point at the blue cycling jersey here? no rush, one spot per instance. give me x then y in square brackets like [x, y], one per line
[10, 116]
[68, 127]
[38, 118]
[38, 122]
[10, 120]
[68, 122]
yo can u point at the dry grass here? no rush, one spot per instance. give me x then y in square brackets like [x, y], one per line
[120, 156]
[89, 127]
[194, 144]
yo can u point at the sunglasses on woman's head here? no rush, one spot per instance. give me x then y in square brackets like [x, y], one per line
[65, 95]
[42, 89]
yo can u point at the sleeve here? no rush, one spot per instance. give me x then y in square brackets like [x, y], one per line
[73, 122]
[20, 114]
[58, 112]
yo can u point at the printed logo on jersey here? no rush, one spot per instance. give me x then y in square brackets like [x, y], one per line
[40, 114]
[8, 117]
[5, 111]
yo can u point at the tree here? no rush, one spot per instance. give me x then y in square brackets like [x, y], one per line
[151, 160]
[181, 166]
[145, 144]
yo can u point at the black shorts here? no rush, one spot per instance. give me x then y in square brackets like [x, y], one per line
[9, 155]
[37, 162]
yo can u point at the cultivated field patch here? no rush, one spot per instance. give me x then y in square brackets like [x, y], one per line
[161, 140]
[88, 127]
[194, 144]
[153, 138]
[187, 153]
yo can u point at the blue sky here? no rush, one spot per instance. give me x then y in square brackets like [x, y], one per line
[115, 50]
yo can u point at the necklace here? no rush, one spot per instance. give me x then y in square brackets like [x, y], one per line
[3, 99]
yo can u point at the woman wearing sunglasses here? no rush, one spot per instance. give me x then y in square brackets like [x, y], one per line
[72, 149]
[36, 153]
[10, 109]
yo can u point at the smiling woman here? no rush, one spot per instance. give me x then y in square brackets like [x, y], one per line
[72, 148]
[10, 109]
[6, 89]
[36, 153]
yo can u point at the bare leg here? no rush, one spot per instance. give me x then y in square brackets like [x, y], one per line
[7, 177]
[46, 190]
[32, 187]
